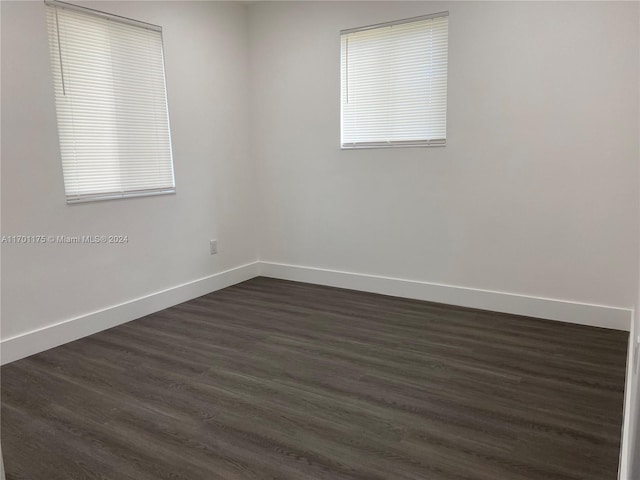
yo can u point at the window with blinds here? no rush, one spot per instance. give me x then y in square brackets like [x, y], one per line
[394, 83]
[111, 104]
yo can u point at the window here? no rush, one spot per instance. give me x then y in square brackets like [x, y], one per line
[111, 104]
[394, 83]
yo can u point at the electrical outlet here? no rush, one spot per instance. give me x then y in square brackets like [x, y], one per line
[213, 247]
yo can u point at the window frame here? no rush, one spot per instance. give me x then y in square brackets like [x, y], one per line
[162, 188]
[396, 143]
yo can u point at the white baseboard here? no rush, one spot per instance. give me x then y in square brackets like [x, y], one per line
[26, 344]
[29, 343]
[547, 308]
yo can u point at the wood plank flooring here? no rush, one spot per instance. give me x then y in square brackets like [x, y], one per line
[271, 379]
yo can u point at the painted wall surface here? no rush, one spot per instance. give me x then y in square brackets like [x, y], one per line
[536, 191]
[634, 443]
[206, 59]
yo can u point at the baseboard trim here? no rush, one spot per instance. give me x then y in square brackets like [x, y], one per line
[29, 343]
[51, 336]
[547, 308]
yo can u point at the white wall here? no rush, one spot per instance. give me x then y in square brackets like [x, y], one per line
[207, 70]
[635, 449]
[631, 439]
[634, 411]
[536, 191]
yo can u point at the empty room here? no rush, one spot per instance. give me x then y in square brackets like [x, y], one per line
[305, 240]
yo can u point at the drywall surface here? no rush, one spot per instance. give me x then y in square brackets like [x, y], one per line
[536, 190]
[206, 59]
[534, 194]
[634, 410]
[629, 455]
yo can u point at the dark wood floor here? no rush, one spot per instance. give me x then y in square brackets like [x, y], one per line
[281, 380]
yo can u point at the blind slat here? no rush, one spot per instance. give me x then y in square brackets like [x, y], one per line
[111, 106]
[394, 84]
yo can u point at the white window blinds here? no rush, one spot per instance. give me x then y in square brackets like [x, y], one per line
[394, 83]
[111, 104]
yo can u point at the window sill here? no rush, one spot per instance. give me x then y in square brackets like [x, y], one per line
[362, 146]
[72, 200]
